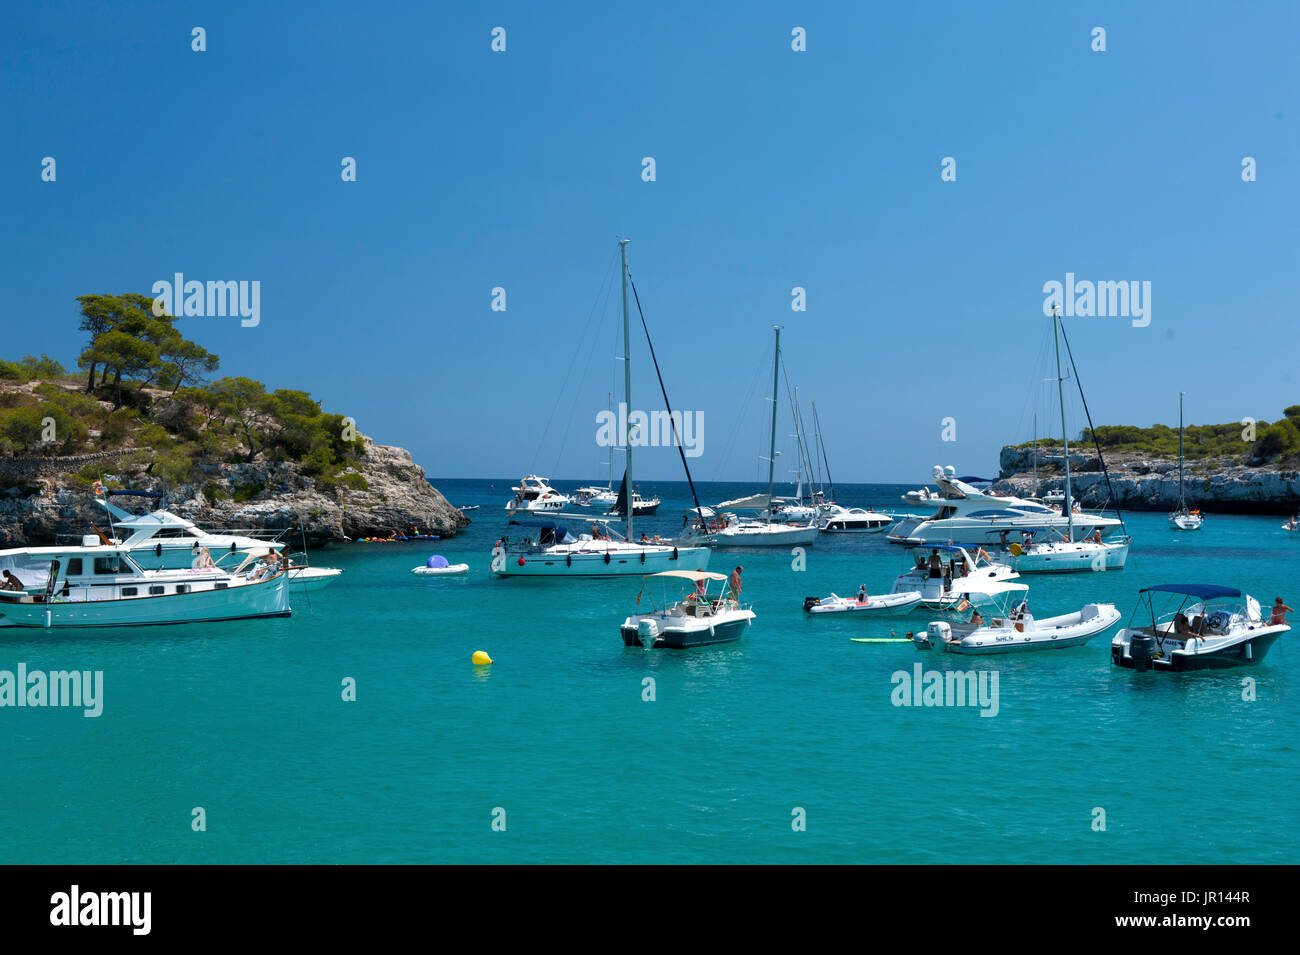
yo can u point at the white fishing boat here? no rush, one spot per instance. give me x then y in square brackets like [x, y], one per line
[864, 603]
[1183, 517]
[103, 586]
[946, 574]
[692, 620]
[1209, 628]
[966, 515]
[853, 520]
[550, 549]
[1011, 628]
[535, 494]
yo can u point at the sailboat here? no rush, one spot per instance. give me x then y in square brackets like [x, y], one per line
[594, 494]
[1068, 554]
[1183, 518]
[725, 529]
[549, 548]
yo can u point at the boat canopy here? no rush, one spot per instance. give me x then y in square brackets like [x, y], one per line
[946, 548]
[755, 502]
[1204, 591]
[695, 575]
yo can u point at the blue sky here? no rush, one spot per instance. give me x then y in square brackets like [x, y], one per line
[774, 168]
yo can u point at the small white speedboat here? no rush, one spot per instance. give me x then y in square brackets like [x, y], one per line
[311, 579]
[864, 604]
[1211, 628]
[1013, 629]
[695, 620]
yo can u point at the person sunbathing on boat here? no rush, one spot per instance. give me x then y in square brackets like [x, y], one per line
[976, 619]
[1280, 610]
[204, 560]
[12, 583]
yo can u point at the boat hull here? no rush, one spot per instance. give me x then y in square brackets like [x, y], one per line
[269, 598]
[673, 638]
[783, 537]
[1247, 652]
[1053, 561]
[1040, 636]
[592, 563]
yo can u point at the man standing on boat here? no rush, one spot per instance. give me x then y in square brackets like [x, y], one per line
[733, 582]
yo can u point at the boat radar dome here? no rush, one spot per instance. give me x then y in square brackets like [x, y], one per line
[437, 560]
[937, 471]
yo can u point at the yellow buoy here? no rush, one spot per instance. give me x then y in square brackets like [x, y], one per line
[480, 657]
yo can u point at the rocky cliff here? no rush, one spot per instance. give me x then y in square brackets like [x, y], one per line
[1150, 483]
[44, 499]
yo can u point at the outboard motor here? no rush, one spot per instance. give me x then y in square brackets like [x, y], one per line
[647, 631]
[1141, 650]
[810, 602]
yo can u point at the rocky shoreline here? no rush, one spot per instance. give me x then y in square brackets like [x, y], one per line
[1150, 482]
[41, 503]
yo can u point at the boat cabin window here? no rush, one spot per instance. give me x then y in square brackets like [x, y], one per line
[110, 565]
[156, 591]
[74, 567]
[220, 585]
[182, 588]
[130, 591]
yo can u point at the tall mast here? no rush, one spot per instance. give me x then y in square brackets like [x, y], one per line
[609, 483]
[822, 445]
[627, 395]
[1065, 436]
[1182, 504]
[1035, 492]
[771, 449]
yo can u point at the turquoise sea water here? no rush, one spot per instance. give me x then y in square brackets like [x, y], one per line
[246, 720]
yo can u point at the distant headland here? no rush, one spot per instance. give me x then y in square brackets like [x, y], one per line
[1246, 467]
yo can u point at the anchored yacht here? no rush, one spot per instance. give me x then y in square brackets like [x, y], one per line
[535, 494]
[967, 515]
[1210, 628]
[103, 586]
[161, 540]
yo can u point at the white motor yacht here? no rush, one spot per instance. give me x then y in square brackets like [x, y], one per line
[945, 574]
[535, 494]
[1202, 627]
[161, 540]
[967, 515]
[853, 520]
[103, 586]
